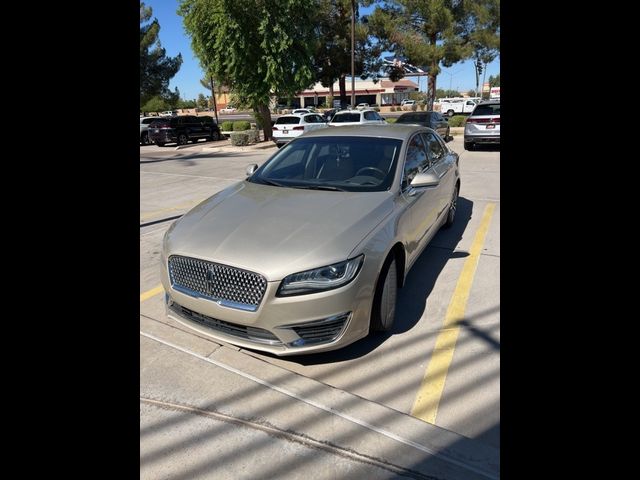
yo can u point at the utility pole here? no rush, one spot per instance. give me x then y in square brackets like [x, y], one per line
[353, 63]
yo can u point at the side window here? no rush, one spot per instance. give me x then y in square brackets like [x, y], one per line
[370, 116]
[206, 120]
[147, 121]
[416, 160]
[435, 150]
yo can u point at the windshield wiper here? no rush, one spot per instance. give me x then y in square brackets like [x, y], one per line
[320, 187]
[270, 182]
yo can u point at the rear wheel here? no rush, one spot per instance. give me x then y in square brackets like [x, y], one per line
[450, 113]
[145, 138]
[383, 313]
[182, 139]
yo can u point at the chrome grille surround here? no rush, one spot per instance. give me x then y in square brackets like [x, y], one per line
[320, 331]
[228, 286]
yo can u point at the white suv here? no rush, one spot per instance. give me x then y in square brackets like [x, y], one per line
[356, 117]
[291, 126]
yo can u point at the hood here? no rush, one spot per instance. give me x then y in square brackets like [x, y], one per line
[276, 231]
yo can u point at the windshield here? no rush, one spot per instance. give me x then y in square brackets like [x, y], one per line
[413, 118]
[487, 109]
[353, 164]
[346, 117]
[288, 121]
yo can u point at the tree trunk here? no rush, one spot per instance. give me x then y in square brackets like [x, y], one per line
[431, 78]
[213, 96]
[343, 90]
[265, 119]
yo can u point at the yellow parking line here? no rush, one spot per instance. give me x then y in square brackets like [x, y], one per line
[151, 293]
[430, 392]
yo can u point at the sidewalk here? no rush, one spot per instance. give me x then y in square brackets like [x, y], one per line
[215, 411]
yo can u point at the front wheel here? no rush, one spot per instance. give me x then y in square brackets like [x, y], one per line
[383, 313]
[450, 113]
[182, 139]
[145, 139]
[468, 146]
[451, 214]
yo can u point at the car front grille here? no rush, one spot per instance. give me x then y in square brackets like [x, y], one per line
[228, 286]
[252, 334]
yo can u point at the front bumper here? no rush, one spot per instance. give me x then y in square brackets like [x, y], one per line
[282, 326]
[163, 136]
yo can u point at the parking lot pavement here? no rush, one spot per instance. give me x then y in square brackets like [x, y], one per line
[388, 370]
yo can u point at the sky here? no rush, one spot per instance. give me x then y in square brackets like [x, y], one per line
[459, 77]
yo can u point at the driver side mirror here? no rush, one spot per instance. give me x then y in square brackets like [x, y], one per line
[425, 179]
[251, 169]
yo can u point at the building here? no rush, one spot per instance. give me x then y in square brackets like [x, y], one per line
[384, 92]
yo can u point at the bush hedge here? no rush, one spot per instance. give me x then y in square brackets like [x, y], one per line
[457, 121]
[226, 126]
[241, 125]
[239, 139]
[253, 135]
[391, 120]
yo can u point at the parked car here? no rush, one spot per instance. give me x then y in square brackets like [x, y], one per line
[169, 113]
[483, 125]
[183, 129]
[228, 109]
[288, 127]
[433, 120]
[300, 111]
[362, 106]
[407, 103]
[144, 127]
[308, 252]
[356, 117]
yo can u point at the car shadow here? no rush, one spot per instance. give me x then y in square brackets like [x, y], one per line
[487, 147]
[412, 298]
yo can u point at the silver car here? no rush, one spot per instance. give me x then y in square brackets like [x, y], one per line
[307, 253]
[483, 125]
[288, 127]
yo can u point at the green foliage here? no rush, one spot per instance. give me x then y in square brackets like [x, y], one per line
[494, 81]
[393, 109]
[391, 120]
[186, 104]
[472, 93]
[437, 32]
[226, 126]
[422, 106]
[202, 101]
[241, 125]
[156, 104]
[156, 69]
[457, 121]
[253, 135]
[255, 48]
[239, 139]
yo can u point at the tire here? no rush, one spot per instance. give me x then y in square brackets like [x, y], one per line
[183, 139]
[453, 206]
[468, 146]
[145, 138]
[450, 113]
[160, 144]
[383, 312]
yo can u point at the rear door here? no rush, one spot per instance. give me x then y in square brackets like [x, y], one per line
[443, 163]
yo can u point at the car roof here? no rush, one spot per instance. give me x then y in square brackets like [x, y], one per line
[400, 132]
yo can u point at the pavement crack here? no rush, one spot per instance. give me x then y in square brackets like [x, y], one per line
[291, 436]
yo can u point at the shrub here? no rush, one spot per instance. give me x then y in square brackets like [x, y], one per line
[227, 126]
[393, 109]
[239, 139]
[414, 107]
[377, 109]
[241, 125]
[457, 121]
[253, 136]
[391, 120]
[422, 105]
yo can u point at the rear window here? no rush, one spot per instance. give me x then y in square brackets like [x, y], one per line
[413, 118]
[288, 121]
[147, 121]
[346, 117]
[487, 110]
[160, 122]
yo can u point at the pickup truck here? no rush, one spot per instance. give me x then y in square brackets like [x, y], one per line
[451, 106]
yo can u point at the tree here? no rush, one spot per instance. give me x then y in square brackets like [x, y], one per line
[494, 81]
[332, 45]
[156, 69]
[255, 48]
[156, 104]
[202, 101]
[471, 93]
[434, 32]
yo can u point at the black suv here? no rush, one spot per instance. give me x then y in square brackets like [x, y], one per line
[433, 120]
[182, 129]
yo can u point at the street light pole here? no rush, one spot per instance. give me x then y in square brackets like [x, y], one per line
[353, 43]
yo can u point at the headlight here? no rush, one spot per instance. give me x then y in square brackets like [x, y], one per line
[321, 279]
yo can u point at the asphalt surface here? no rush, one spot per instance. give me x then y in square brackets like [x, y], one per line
[376, 382]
